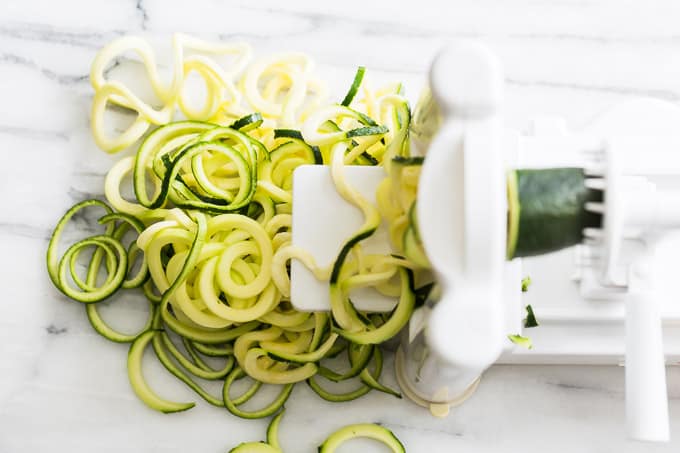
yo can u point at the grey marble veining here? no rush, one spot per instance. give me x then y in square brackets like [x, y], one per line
[63, 388]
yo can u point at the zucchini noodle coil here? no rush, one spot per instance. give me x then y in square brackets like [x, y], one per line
[206, 239]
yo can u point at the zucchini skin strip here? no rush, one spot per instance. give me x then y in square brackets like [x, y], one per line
[129, 221]
[306, 357]
[248, 394]
[248, 122]
[355, 359]
[291, 376]
[192, 367]
[254, 447]
[330, 444]
[176, 371]
[372, 381]
[147, 153]
[273, 430]
[356, 83]
[206, 336]
[52, 257]
[106, 331]
[138, 382]
[97, 322]
[190, 262]
[111, 247]
[232, 404]
[397, 320]
[368, 430]
[358, 361]
[211, 350]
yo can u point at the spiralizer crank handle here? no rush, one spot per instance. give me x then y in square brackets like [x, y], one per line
[646, 396]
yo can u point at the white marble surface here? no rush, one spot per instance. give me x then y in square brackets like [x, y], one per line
[62, 388]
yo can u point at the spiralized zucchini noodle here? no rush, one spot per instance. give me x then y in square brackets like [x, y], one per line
[372, 431]
[207, 236]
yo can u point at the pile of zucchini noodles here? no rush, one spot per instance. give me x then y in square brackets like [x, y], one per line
[207, 238]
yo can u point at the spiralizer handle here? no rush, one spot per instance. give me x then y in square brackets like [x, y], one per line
[646, 394]
[637, 203]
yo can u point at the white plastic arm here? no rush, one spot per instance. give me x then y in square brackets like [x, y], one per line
[646, 393]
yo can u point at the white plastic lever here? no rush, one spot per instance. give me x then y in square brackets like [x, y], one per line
[653, 211]
[646, 394]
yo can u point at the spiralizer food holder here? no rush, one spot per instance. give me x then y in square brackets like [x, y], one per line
[609, 300]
